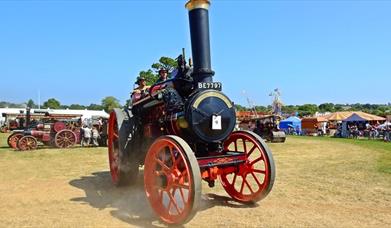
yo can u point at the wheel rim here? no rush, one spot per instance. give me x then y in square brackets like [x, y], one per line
[65, 139]
[169, 181]
[13, 140]
[113, 147]
[27, 143]
[252, 181]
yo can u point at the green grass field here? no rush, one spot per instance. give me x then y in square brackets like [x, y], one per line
[320, 182]
[380, 147]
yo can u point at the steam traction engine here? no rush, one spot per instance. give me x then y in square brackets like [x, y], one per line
[52, 131]
[181, 130]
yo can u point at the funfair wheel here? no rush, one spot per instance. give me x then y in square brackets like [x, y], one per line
[254, 179]
[121, 142]
[13, 140]
[172, 180]
[65, 138]
[27, 142]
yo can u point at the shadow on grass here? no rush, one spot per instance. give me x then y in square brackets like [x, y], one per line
[130, 203]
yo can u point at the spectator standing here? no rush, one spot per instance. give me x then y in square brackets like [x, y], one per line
[86, 136]
[387, 133]
[95, 136]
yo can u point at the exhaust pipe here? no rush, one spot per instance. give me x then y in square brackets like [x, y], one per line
[200, 43]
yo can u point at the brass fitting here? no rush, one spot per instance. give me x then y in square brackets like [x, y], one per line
[196, 4]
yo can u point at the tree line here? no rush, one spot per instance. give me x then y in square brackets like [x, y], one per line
[108, 104]
[311, 109]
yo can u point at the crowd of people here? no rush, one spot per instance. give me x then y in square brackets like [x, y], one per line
[93, 134]
[374, 131]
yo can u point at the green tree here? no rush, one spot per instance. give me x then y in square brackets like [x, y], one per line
[238, 107]
[95, 107]
[109, 103]
[326, 107]
[31, 104]
[289, 109]
[261, 108]
[52, 103]
[308, 109]
[77, 107]
[149, 76]
[166, 63]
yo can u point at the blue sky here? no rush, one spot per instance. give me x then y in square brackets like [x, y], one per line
[82, 51]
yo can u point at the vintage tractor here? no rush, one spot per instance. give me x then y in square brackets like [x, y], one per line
[56, 130]
[267, 128]
[53, 134]
[181, 130]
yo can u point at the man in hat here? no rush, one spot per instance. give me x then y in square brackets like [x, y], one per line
[163, 74]
[142, 85]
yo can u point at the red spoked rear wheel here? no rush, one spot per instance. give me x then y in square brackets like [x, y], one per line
[27, 143]
[114, 148]
[255, 178]
[172, 180]
[13, 140]
[65, 138]
[121, 143]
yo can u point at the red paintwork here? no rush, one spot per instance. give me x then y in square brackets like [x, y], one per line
[249, 182]
[113, 153]
[173, 173]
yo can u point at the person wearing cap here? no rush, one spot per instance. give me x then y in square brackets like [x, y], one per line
[163, 74]
[142, 85]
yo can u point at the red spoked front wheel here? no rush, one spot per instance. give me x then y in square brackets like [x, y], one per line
[13, 140]
[27, 143]
[172, 180]
[253, 179]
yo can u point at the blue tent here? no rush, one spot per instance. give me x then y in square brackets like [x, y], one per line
[293, 122]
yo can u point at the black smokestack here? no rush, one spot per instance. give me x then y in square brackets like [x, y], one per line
[28, 117]
[200, 44]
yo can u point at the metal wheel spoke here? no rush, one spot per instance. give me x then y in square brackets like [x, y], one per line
[259, 171]
[251, 151]
[177, 162]
[174, 203]
[172, 156]
[241, 188]
[256, 179]
[164, 166]
[244, 145]
[184, 173]
[249, 187]
[256, 160]
[234, 179]
[182, 195]
[182, 186]
[236, 146]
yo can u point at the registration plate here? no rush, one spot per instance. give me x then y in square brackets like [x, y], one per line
[210, 85]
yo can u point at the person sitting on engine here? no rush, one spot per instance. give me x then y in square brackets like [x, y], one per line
[163, 75]
[142, 86]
